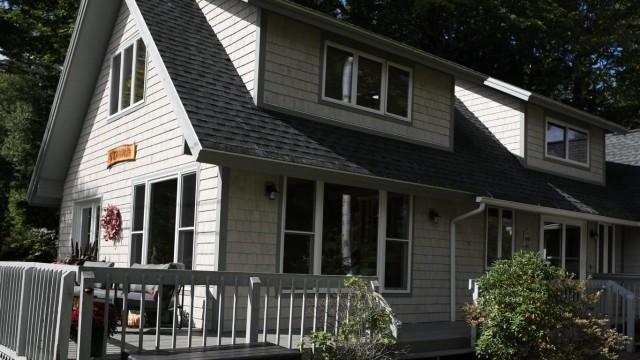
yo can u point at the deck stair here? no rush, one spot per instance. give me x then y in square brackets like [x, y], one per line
[256, 351]
[435, 339]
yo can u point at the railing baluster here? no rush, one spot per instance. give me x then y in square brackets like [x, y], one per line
[189, 329]
[291, 298]
[221, 294]
[338, 291]
[233, 311]
[142, 305]
[304, 300]
[326, 306]
[159, 310]
[125, 314]
[279, 312]
[205, 306]
[106, 317]
[253, 305]
[266, 311]
[315, 305]
[176, 297]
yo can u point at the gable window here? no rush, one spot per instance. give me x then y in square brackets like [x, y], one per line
[566, 142]
[500, 235]
[163, 221]
[367, 82]
[128, 69]
[333, 229]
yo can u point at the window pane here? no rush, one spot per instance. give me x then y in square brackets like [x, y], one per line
[300, 205]
[369, 83]
[507, 234]
[553, 242]
[492, 235]
[350, 231]
[572, 249]
[298, 254]
[396, 265]
[555, 140]
[398, 91]
[85, 234]
[127, 66]
[162, 221]
[188, 200]
[398, 208]
[96, 227]
[578, 145]
[141, 65]
[611, 249]
[138, 207]
[185, 248]
[136, 249]
[115, 84]
[601, 240]
[338, 74]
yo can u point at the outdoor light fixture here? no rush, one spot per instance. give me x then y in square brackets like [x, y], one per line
[434, 216]
[271, 191]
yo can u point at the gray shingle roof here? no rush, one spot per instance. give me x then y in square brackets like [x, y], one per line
[225, 118]
[624, 149]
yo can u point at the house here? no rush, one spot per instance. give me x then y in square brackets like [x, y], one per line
[262, 136]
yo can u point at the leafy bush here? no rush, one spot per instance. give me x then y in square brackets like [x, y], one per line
[367, 334]
[530, 310]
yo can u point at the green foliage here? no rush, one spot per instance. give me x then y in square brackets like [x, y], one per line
[585, 53]
[530, 310]
[367, 334]
[35, 36]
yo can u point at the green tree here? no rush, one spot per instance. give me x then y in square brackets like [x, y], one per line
[33, 42]
[584, 53]
[530, 310]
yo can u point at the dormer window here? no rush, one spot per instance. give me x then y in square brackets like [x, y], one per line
[128, 69]
[366, 82]
[567, 143]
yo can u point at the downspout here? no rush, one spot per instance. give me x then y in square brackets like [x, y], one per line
[452, 254]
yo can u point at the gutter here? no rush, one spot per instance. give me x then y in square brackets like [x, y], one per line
[556, 212]
[452, 255]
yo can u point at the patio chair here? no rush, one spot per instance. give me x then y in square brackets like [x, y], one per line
[99, 264]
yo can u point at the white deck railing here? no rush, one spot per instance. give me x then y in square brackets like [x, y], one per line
[221, 308]
[35, 310]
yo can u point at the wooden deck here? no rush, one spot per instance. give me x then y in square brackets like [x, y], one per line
[435, 339]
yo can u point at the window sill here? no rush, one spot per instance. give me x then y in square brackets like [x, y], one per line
[125, 112]
[365, 110]
[563, 161]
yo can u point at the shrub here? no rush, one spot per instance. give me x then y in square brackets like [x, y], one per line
[530, 310]
[367, 334]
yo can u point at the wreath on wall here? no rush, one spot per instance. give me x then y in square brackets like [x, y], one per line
[111, 223]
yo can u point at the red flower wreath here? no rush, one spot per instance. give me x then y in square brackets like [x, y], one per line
[111, 223]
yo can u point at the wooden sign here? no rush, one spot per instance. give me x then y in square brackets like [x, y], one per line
[120, 154]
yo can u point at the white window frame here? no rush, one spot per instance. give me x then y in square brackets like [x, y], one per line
[583, 240]
[566, 126]
[354, 82]
[317, 235]
[147, 182]
[78, 206]
[132, 104]
[486, 234]
[605, 248]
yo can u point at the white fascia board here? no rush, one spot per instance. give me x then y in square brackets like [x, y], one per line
[507, 88]
[556, 212]
[181, 114]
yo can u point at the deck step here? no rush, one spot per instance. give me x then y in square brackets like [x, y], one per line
[262, 351]
[437, 347]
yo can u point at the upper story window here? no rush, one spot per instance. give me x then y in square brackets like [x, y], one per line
[567, 142]
[367, 82]
[128, 69]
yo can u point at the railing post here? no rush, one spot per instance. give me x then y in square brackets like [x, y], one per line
[85, 321]
[473, 286]
[610, 300]
[631, 322]
[64, 316]
[25, 294]
[253, 305]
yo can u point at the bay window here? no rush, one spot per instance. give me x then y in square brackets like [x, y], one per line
[163, 220]
[128, 69]
[500, 235]
[366, 82]
[333, 229]
[567, 143]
